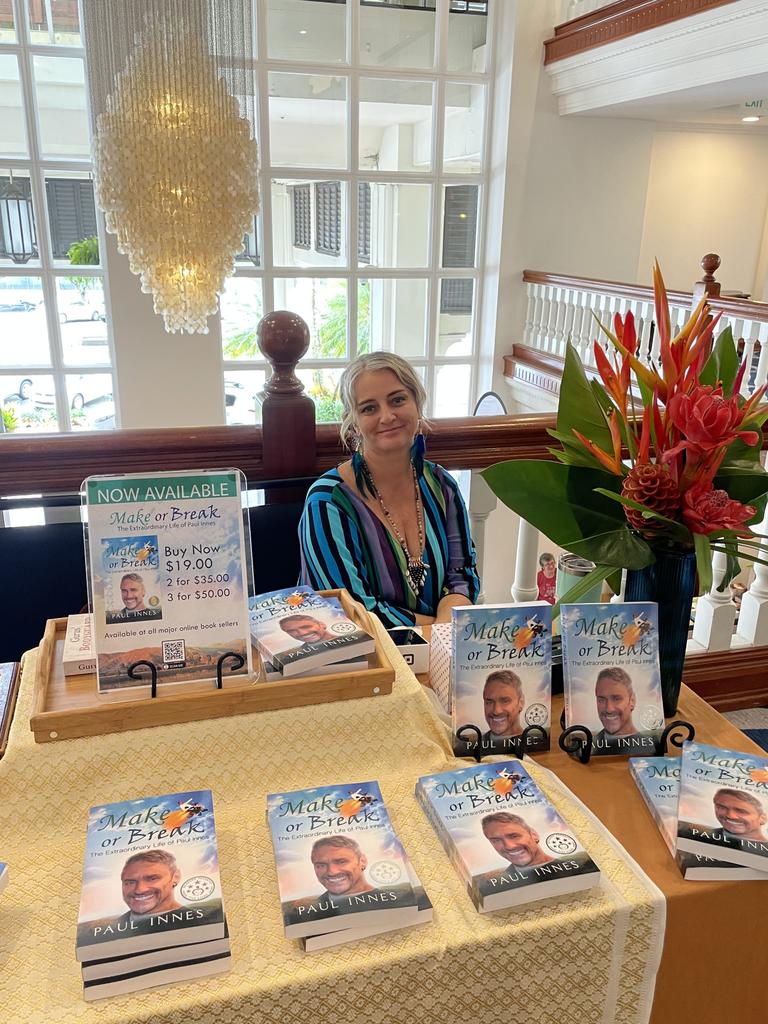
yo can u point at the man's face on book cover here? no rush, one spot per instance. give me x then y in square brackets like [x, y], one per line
[502, 704]
[148, 887]
[132, 594]
[739, 816]
[307, 630]
[340, 869]
[514, 842]
[615, 705]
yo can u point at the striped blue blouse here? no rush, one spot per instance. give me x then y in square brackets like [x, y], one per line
[343, 544]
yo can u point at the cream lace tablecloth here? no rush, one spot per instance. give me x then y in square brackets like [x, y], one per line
[587, 958]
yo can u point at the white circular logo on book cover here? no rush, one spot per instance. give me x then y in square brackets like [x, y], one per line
[560, 843]
[342, 627]
[650, 718]
[199, 887]
[385, 872]
[536, 714]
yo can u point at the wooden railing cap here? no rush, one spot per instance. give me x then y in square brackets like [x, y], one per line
[283, 337]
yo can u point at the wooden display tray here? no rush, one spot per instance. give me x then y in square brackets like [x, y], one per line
[66, 707]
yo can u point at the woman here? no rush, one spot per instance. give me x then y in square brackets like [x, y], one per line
[388, 526]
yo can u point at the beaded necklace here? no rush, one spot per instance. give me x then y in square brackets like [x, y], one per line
[416, 566]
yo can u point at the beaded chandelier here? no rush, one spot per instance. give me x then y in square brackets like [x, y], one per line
[175, 161]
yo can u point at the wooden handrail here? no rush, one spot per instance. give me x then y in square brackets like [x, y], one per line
[617, 21]
[58, 463]
[746, 309]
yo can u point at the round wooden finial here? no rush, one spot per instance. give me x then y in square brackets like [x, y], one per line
[283, 337]
[709, 265]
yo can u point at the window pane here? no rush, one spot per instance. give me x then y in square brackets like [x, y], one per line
[91, 404]
[250, 253]
[7, 32]
[467, 25]
[308, 120]
[71, 216]
[395, 125]
[396, 222]
[18, 225]
[309, 223]
[454, 323]
[452, 390]
[83, 318]
[464, 113]
[322, 302]
[242, 306]
[13, 137]
[63, 28]
[28, 403]
[322, 386]
[392, 36]
[60, 88]
[304, 30]
[394, 318]
[459, 225]
[240, 390]
[23, 327]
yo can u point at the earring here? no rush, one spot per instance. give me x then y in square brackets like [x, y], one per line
[418, 448]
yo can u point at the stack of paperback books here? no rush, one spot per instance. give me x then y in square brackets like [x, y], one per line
[658, 779]
[79, 655]
[723, 807]
[507, 843]
[299, 632]
[342, 872]
[151, 908]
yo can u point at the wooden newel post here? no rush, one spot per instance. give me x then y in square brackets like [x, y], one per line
[707, 285]
[287, 414]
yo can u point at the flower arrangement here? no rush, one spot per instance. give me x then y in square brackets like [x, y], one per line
[651, 459]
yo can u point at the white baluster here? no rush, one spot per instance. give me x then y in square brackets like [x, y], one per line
[568, 322]
[552, 318]
[753, 617]
[618, 598]
[530, 310]
[482, 501]
[524, 587]
[715, 612]
[562, 307]
[541, 334]
[581, 322]
[750, 338]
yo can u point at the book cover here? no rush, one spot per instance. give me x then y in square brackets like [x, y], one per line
[133, 963]
[508, 843]
[339, 862]
[3, 875]
[10, 675]
[79, 656]
[611, 675]
[723, 808]
[150, 876]
[424, 914]
[501, 675]
[658, 780]
[199, 966]
[298, 631]
[168, 575]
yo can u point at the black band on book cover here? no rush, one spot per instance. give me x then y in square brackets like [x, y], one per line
[133, 674]
[237, 663]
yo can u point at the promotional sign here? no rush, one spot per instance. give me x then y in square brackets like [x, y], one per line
[167, 574]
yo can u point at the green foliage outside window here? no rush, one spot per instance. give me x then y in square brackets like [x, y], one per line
[84, 253]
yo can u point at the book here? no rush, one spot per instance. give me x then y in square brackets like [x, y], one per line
[424, 913]
[508, 844]
[200, 966]
[658, 780]
[133, 963]
[501, 676]
[79, 655]
[723, 808]
[339, 861]
[298, 630]
[611, 675]
[3, 875]
[150, 876]
[271, 674]
[10, 676]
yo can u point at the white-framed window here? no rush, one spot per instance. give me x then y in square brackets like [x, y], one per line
[372, 127]
[55, 340]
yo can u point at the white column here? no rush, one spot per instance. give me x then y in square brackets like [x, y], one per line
[482, 501]
[524, 587]
[753, 617]
[715, 612]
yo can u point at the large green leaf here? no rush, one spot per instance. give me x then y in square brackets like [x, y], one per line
[561, 501]
[703, 561]
[723, 363]
[583, 586]
[578, 407]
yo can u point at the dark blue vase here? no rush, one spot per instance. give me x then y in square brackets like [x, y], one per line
[670, 582]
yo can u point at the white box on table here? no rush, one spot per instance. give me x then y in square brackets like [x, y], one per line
[413, 647]
[440, 655]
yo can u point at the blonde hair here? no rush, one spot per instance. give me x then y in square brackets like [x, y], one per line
[370, 363]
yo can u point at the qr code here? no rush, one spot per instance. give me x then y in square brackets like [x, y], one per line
[173, 652]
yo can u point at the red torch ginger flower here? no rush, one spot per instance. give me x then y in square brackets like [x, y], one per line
[707, 420]
[707, 510]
